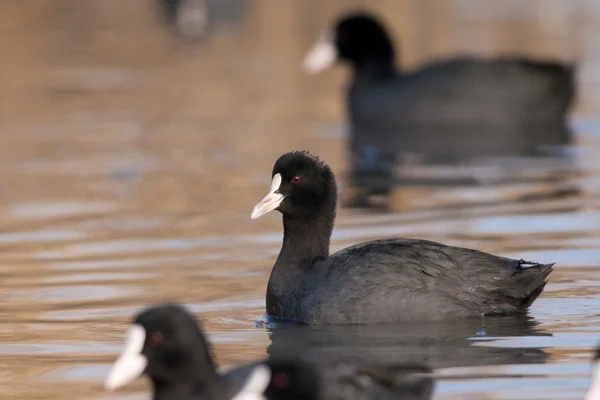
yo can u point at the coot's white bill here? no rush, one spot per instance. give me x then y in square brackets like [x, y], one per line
[321, 56]
[594, 390]
[131, 363]
[271, 201]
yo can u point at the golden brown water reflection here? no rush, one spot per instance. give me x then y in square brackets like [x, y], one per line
[131, 163]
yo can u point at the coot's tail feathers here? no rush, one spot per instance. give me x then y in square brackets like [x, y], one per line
[560, 81]
[563, 86]
[522, 264]
[531, 278]
[553, 91]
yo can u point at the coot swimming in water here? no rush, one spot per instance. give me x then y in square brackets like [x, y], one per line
[166, 343]
[447, 112]
[388, 280]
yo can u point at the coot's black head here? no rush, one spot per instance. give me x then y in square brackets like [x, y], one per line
[302, 186]
[166, 343]
[359, 39]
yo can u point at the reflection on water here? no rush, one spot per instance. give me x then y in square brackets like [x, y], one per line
[440, 345]
[132, 164]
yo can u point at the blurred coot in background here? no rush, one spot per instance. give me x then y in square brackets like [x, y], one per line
[192, 20]
[448, 111]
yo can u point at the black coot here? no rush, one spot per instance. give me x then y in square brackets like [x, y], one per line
[167, 344]
[448, 111]
[380, 281]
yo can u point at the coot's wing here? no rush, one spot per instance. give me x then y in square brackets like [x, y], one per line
[508, 82]
[493, 107]
[461, 275]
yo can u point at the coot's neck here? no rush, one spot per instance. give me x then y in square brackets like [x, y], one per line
[373, 70]
[305, 240]
[196, 374]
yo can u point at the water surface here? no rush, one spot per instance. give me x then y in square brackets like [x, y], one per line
[132, 161]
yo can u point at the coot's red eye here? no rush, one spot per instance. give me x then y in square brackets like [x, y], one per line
[280, 380]
[296, 180]
[157, 338]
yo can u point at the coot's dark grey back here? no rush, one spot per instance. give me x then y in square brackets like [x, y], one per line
[463, 107]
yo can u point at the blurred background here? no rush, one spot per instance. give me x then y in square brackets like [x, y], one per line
[134, 150]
